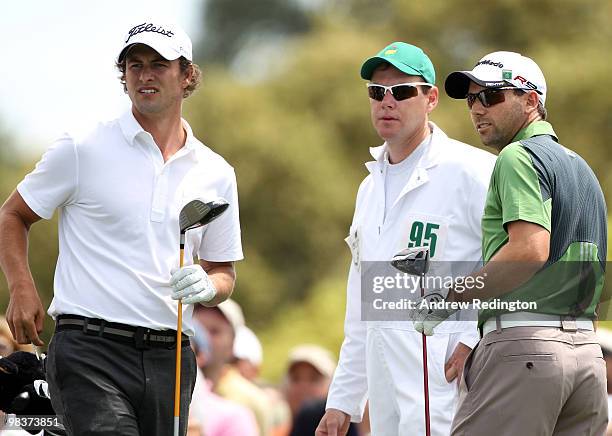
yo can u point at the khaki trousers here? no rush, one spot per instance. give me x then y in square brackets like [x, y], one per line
[533, 381]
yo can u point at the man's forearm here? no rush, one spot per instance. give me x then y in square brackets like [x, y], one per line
[223, 277]
[25, 313]
[506, 271]
[14, 249]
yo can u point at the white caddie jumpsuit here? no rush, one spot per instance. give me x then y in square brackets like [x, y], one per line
[382, 360]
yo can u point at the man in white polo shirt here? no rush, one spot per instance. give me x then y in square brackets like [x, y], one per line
[119, 190]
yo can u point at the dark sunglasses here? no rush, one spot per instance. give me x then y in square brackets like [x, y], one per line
[400, 92]
[488, 97]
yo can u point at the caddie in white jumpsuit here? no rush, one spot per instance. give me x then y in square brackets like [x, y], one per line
[424, 189]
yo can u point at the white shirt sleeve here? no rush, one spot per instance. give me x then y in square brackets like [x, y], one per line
[53, 183]
[469, 338]
[468, 333]
[348, 390]
[221, 240]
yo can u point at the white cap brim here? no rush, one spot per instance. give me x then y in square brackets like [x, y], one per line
[167, 54]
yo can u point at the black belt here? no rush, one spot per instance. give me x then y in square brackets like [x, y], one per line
[141, 338]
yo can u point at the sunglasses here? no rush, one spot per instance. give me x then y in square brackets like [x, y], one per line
[401, 91]
[488, 97]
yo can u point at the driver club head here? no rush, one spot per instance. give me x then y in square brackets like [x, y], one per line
[413, 261]
[198, 213]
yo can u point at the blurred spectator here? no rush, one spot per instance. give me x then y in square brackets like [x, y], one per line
[248, 358]
[248, 353]
[604, 337]
[307, 419]
[194, 427]
[221, 323]
[309, 372]
[219, 327]
[8, 343]
[280, 414]
[210, 414]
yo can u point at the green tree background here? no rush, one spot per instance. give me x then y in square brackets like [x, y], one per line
[282, 100]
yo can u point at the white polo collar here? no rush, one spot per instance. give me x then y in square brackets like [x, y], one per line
[130, 127]
[191, 142]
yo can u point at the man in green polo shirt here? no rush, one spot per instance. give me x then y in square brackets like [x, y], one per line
[537, 370]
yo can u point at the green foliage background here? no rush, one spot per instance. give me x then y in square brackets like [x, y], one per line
[294, 122]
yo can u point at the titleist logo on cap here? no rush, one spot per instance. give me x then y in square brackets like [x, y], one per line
[488, 62]
[148, 27]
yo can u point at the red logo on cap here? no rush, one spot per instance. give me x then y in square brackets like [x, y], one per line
[525, 82]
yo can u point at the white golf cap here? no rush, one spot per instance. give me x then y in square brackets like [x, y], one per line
[233, 313]
[316, 356]
[496, 70]
[247, 346]
[169, 40]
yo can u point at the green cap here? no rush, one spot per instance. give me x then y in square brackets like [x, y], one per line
[405, 57]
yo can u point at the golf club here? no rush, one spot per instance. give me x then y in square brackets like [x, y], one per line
[415, 261]
[194, 214]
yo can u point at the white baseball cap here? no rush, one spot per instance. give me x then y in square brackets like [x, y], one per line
[247, 346]
[169, 40]
[318, 357]
[496, 70]
[233, 313]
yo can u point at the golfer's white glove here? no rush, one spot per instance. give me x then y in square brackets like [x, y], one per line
[191, 284]
[425, 318]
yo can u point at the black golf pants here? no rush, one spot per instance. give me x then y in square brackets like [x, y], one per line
[102, 387]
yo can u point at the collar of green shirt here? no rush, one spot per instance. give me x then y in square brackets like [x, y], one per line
[534, 129]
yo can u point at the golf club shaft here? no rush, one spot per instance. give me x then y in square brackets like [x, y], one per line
[426, 386]
[177, 379]
[194, 214]
[425, 374]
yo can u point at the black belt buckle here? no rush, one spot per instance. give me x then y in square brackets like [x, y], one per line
[89, 327]
[172, 344]
[142, 338]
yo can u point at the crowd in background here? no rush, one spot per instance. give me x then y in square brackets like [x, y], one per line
[229, 397]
